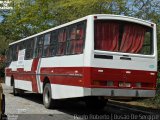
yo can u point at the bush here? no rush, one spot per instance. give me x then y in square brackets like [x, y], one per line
[158, 75]
[157, 99]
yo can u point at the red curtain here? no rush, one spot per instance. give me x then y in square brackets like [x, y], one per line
[79, 41]
[106, 36]
[61, 42]
[132, 39]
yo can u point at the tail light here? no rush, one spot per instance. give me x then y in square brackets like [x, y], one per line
[110, 83]
[138, 85]
[124, 84]
[144, 85]
[103, 83]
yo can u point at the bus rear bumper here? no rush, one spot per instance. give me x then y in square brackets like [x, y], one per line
[119, 92]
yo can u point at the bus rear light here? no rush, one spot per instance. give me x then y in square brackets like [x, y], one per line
[152, 73]
[138, 85]
[144, 85]
[100, 71]
[128, 84]
[96, 82]
[95, 17]
[128, 72]
[101, 83]
[124, 84]
[80, 81]
[110, 83]
[147, 85]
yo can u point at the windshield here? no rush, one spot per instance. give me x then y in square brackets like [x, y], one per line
[120, 36]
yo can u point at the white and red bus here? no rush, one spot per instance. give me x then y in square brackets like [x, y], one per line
[95, 57]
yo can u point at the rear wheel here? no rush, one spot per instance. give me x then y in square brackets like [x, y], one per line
[3, 104]
[47, 96]
[15, 90]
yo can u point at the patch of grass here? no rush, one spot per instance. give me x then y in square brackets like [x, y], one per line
[158, 81]
[152, 102]
[156, 99]
[158, 78]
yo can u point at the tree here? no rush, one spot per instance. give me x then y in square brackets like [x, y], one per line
[32, 16]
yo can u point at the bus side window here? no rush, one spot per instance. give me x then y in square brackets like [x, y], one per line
[79, 39]
[72, 40]
[46, 48]
[61, 42]
[39, 46]
[53, 43]
[68, 31]
[17, 50]
[8, 56]
[29, 48]
[14, 50]
[75, 39]
[21, 45]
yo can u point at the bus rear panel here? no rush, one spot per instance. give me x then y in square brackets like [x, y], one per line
[124, 59]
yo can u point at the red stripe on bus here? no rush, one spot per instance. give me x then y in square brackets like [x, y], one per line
[85, 76]
[33, 78]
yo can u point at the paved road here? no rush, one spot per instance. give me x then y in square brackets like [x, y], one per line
[30, 107]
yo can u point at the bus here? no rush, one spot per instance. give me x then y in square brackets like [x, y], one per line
[96, 57]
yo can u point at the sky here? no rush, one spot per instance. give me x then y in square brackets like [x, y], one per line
[4, 5]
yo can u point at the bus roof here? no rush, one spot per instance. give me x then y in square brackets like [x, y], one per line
[100, 16]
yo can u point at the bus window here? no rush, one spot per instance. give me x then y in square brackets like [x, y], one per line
[53, 43]
[147, 46]
[17, 50]
[72, 40]
[9, 56]
[14, 49]
[46, 48]
[21, 45]
[61, 42]
[133, 38]
[79, 39]
[75, 38]
[106, 35]
[29, 48]
[124, 37]
[39, 46]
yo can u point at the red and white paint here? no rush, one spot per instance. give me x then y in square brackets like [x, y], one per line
[75, 75]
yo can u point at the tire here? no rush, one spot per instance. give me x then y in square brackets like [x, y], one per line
[3, 104]
[15, 90]
[95, 103]
[47, 96]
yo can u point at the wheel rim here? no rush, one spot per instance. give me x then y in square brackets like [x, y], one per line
[46, 95]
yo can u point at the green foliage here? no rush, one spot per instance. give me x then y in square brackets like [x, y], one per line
[32, 16]
[154, 101]
[67, 10]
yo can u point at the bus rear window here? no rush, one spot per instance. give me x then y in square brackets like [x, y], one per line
[118, 36]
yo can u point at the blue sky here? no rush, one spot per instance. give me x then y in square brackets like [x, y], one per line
[1, 18]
